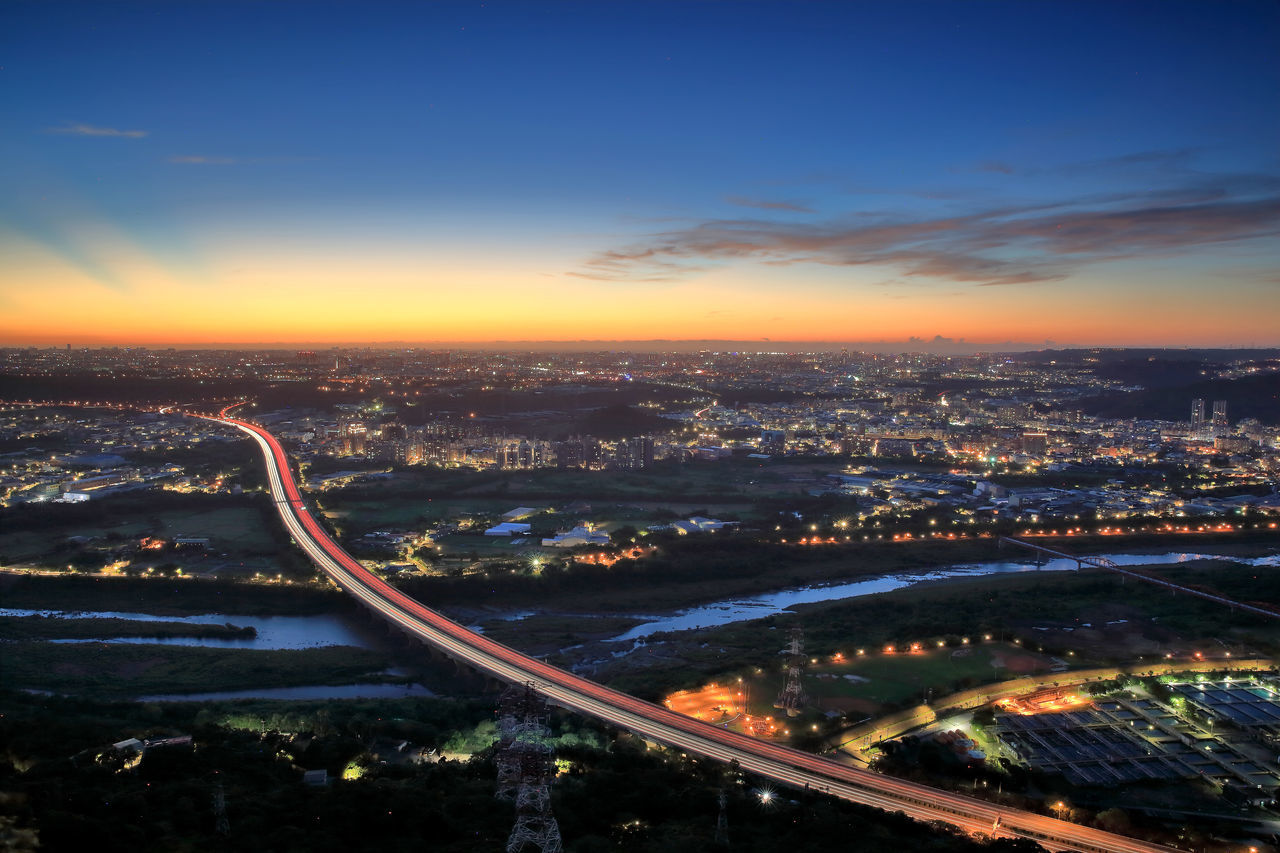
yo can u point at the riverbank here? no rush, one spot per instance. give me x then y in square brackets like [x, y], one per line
[116, 670]
[55, 628]
[1092, 616]
[694, 571]
[167, 596]
[548, 632]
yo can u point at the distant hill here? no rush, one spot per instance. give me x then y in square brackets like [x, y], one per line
[1247, 397]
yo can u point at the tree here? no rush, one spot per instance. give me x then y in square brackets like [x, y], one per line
[1114, 820]
[624, 535]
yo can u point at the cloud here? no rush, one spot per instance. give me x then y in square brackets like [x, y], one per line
[763, 204]
[91, 130]
[1176, 158]
[202, 160]
[996, 246]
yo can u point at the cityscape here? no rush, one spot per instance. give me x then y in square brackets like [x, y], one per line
[677, 426]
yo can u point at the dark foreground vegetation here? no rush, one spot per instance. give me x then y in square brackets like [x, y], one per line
[63, 783]
[120, 669]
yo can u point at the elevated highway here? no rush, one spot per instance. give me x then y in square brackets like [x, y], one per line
[779, 763]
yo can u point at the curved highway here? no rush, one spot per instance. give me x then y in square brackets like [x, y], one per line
[782, 764]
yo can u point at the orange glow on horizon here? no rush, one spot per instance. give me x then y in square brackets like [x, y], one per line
[334, 299]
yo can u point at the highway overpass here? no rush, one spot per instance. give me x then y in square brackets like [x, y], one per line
[770, 760]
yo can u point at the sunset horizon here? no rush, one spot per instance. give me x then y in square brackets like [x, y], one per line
[507, 172]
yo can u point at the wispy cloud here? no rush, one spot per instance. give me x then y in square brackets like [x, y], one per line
[764, 204]
[206, 160]
[1173, 160]
[995, 246]
[94, 130]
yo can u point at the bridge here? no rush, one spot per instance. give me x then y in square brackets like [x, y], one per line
[773, 761]
[1104, 563]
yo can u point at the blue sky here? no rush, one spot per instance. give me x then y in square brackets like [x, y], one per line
[843, 148]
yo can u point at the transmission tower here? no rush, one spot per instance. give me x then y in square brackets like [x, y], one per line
[220, 823]
[722, 820]
[521, 718]
[526, 765]
[792, 698]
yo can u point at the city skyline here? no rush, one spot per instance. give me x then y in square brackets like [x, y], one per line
[933, 175]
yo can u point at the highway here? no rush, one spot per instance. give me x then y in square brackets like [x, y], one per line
[779, 763]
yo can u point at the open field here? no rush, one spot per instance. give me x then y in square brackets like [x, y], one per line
[111, 669]
[233, 524]
[903, 677]
[168, 597]
[25, 546]
[861, 685]
[232, 529]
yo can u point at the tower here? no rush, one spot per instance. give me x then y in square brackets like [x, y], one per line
[526, 765]
[722, 820]
[792, 699]
[220, 823]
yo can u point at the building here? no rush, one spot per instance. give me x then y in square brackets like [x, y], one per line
[585, 534]
[508, 528]
[1197, 415]
[1220, 424]
[1035, 443]
[635, 454]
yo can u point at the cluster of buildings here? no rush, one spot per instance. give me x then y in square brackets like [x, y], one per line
[73, 455]
[980, 417]
[471, 445]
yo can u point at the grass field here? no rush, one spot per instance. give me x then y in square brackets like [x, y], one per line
[239, 529]
[106, 669]
[232, 528]
[22, 546]
[862, 684]
[881, 677]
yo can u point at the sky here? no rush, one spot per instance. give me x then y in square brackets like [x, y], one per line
[935, 174]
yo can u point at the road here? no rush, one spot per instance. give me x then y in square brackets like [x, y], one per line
[779, 763]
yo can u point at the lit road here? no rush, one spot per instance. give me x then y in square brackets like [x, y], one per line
[782, 764]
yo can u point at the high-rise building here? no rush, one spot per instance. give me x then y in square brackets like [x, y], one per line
[1197, 414]
[1220, 424]
[635, 453]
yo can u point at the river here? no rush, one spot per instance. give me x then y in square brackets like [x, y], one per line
[302, 632]
[721, 613]
[274, 632]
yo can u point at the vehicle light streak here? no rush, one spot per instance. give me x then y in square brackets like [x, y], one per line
[779, 763]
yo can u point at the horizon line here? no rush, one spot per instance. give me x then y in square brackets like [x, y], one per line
[934, 346]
